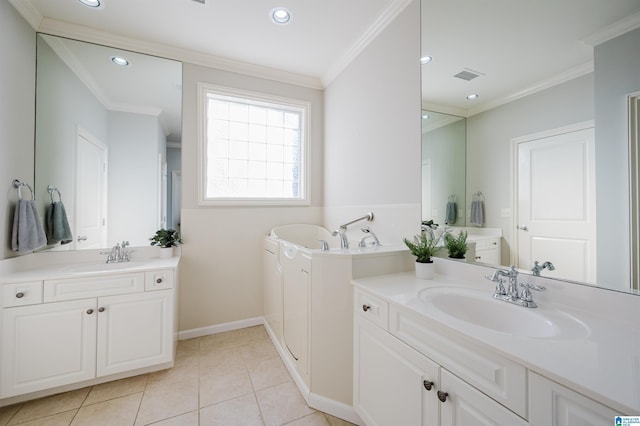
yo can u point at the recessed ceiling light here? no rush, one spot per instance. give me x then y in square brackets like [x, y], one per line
[119, 60]
[472, 97]
[280, 15]
[425, 116]
[90, 3]
[425, 60]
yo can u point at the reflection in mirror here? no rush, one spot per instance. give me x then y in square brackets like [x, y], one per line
[102, 132]
[443, 168]
[576, 73]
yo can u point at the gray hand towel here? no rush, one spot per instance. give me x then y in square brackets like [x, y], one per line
[477, 213]
[57, 224]
[27, 234]
[451, 213]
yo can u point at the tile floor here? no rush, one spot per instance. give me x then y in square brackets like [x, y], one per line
[232, 378]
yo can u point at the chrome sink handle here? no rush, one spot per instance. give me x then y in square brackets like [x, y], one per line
[526, 297]
[324, 245]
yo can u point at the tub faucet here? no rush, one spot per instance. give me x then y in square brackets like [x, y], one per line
[342, 232]
[537, 268]
[371, 234]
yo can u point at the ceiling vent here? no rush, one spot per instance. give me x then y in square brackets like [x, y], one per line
[467, 74]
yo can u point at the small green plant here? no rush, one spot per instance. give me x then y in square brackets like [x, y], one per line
[166, 238]
[422, 247]
[457, 246]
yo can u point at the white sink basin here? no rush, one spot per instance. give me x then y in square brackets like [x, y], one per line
[478, 308]
[103, 267]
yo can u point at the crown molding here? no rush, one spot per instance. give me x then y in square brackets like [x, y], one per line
[624, 25]
[563, 77]
[387, 16]
[83, 33]
[28, 12]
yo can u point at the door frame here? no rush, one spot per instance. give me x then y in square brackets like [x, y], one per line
[515, 142]
[633, 112]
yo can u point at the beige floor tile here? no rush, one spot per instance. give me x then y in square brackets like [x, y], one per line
[162, 401]
[116, 389]
[241, 411]
[216, 388]
[258, 350]
[185, 368]
[334, 421]
[6, 413]
[315, 419]
[50, 405]
[268, 372]
[60, 419]
[188, 419]
[190, 346]
[234, 338]
[114, 412]
[281, 404]
[222, 361]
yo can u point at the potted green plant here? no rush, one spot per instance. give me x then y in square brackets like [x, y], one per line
[456, 246]
[424, 248]
[167, 239]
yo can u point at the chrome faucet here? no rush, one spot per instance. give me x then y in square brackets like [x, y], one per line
[511, 294]
[537, 268]
[371, 234]
[342, 232]
[118, 253]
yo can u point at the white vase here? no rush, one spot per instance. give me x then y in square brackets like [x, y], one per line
[424, 271]
[166, 252]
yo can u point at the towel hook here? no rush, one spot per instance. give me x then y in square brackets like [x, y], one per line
[19, 184]
[453, 197]
[51, 190]
[478, 195]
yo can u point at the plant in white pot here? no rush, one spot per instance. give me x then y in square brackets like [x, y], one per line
[167, 239]
[456, 246]
[423, 248]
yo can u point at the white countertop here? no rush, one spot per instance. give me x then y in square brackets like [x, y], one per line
[57, 265]
[604, 365]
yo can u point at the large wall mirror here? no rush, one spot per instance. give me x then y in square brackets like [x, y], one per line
[104, 120]
[522, 74]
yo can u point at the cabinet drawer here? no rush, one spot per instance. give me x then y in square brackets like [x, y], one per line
[21, 294]
[105, 285]
[158, 280]
[372, 308]
[502, 379]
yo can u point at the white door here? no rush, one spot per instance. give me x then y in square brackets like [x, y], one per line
[555, 196]
[176, 198]
[134, 331]
[91, 192]
[47, 345]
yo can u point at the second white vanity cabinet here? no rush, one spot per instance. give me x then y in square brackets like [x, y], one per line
[396, 384]
[79, 329]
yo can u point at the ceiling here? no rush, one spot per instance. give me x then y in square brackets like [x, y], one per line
[517, 46]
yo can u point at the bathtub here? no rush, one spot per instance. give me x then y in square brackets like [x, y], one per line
[304, 235]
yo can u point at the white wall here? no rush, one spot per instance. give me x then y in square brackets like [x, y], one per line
[221, 268]
[617, 65]
[134, 143]
[17, 113]
[489, 137]
[372, 134]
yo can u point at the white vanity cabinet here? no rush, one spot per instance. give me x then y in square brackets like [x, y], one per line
[396, 383]
[87, 328]
[557, 405]
[488, 250]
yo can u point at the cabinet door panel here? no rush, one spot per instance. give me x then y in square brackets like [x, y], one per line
[47, 345]
[134, 331]
[466, 405]
[388, 380]
[555, 405]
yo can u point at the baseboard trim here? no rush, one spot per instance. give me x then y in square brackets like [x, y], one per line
[220, 328]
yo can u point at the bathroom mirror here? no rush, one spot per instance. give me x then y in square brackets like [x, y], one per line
[530, 78]
[443, 168]
[102, 130]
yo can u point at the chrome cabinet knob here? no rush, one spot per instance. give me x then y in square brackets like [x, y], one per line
[101, 309]
[427, 385]
[82, 238]
[19, 295]
[89, 311]
[442, 396]
[159, 281]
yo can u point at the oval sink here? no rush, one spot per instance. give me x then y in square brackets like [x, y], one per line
[479, 309]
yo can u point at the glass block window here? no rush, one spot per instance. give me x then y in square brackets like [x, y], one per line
[253, 148]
